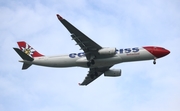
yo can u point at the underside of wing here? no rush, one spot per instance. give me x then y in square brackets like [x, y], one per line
[93, 74]
[87, 45]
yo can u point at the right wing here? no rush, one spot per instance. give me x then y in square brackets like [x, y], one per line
[87, 45]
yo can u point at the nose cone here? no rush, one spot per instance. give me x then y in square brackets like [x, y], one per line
[161, 52]
[158, 51]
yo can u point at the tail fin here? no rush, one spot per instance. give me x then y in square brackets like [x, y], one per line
[27, 49]
[26, 52]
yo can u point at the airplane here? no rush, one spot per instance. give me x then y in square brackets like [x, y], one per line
[98, 59]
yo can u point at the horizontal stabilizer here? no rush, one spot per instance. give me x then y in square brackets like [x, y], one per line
[25, 66]
[23, 55]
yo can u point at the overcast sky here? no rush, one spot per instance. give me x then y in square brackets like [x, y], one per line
[114, 23]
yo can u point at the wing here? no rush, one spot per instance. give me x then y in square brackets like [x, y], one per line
[93, 74]
[89, 47]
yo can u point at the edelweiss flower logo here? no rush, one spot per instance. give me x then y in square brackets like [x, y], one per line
[28, 50]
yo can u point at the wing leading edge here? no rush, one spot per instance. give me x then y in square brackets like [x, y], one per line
[89, 47]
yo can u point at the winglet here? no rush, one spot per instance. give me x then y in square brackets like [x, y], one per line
[80, 84]
[59, 17]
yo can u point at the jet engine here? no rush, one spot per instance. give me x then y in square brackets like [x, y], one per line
[107, 51]
[113, 73]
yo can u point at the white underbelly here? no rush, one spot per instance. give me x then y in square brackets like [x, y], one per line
[55, 62]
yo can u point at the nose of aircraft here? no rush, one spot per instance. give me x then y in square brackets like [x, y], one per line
[158, 51]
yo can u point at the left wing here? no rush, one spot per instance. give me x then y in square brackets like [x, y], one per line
[89, 47]
[93, 74]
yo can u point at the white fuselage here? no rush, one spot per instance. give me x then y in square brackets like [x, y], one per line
[81, 61]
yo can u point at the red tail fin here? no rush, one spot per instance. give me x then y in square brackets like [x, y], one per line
[27, 49]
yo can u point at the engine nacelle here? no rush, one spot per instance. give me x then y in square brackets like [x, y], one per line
[107, 51]
[113, 73]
